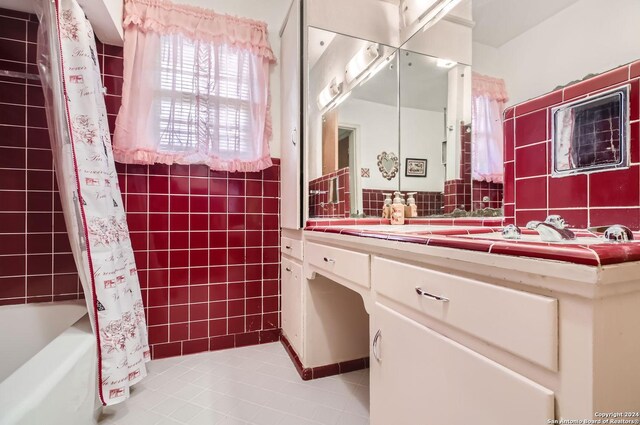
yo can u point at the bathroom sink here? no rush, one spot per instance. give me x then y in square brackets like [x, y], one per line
[582, 239]
[421, 229]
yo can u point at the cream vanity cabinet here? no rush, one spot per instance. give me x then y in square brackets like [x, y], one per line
[418, 376]
[291, 289]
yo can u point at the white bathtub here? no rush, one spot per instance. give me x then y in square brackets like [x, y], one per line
[47, 365]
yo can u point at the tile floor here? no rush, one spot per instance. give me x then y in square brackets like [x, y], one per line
[255, 385]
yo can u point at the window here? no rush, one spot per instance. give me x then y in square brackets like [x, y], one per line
[196, 89]
[203, 98]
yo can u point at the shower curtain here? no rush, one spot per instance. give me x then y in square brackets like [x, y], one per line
[91, 199]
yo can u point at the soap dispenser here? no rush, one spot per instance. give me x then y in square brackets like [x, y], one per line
[386, 208]
[411, 210]
[397, 210]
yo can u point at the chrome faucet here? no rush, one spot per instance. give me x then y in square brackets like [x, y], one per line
[553, 229]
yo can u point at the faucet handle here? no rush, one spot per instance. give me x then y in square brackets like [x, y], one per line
[556, 221]
[512, 231]
[618, 233]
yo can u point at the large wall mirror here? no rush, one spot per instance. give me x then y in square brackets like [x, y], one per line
[428, 117]
[353, 124]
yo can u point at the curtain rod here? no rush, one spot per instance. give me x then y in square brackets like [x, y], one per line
[13, 74]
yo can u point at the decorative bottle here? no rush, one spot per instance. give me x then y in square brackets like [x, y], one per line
[397, 210]
[411, 210]
[386, 208]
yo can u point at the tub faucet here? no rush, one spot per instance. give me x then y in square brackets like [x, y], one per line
[553, 229]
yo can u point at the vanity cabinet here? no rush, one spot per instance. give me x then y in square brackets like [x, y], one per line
[292, 318]
[421, 377]
[475, 307]
[339, 263]
[460, 337]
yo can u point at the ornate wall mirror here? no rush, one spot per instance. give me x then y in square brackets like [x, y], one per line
[388, 165]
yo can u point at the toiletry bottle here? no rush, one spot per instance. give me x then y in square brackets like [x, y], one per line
[397, 210]
[386, 208]
[411, 209]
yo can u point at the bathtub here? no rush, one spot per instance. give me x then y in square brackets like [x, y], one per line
[48, 365]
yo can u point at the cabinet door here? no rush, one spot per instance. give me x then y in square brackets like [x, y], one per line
[419, 377]
[290, 74]
[292, 303]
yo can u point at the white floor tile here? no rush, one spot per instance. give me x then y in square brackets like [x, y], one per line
[168, 406]
[247, 386]
[207, 417]
[186, 412]
[267, 416]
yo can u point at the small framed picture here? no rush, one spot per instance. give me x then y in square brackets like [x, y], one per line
[416, 167]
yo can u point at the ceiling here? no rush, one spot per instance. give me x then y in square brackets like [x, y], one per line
[319, 40]
[498, 21]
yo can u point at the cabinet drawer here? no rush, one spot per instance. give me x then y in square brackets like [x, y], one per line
[521, 323]
[350, 265]
[292, 247]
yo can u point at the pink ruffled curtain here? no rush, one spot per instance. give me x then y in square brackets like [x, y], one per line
[489, 98]
[196, 88]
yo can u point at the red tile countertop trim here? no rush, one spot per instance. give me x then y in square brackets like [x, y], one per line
[599, 254]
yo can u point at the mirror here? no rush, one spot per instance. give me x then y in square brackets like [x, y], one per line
[428, 103]
[437, 102]
[388, 165]
[353, 124]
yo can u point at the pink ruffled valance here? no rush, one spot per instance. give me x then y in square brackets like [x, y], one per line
[180, 106]
[491, 87]
[196, 23]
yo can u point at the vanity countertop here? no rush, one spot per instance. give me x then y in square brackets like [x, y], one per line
[484, 235]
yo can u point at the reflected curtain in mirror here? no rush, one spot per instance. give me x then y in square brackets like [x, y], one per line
[489, 98]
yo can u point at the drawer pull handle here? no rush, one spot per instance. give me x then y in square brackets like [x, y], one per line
[288, 269]
[376, 342]
[287, 247]
[329, 260]
[425, 294]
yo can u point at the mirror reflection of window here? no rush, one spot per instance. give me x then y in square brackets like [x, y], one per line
[489, 99]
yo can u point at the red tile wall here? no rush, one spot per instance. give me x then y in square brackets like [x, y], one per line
[459, 193]
[319, 204]
[36, 264]
[482, 189]
[428, 203]
[601, 198]
[206, 243]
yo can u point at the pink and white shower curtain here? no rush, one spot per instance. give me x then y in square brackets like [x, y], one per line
[90, 195]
